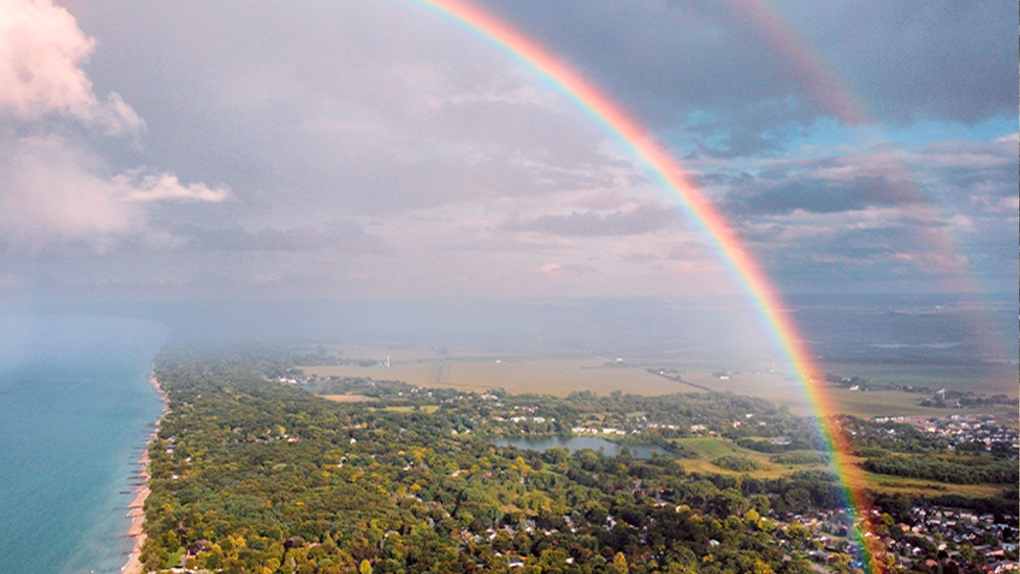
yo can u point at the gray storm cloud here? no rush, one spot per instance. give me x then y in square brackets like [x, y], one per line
[455, 169]
[643, 219]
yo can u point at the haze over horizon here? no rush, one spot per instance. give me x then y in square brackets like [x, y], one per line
[353, 151]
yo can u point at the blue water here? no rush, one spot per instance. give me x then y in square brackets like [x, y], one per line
[75, 408]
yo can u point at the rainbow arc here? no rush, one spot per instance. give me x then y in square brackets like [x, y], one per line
[744, 269]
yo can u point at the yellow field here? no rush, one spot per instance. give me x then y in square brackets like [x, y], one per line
[558, 377]
[472, 371]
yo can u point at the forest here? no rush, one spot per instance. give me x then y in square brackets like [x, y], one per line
[257, 476]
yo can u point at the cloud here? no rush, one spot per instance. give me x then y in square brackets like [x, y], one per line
[339, 237]
[54, 188]
[881, 253]
[646, 218]
[870, 59]
[460, 167]
[41, 53]
[983, 172]
[48, 190]
[165, 187]
[819, 196]
[52, 191]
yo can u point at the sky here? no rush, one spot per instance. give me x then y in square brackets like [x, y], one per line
[346, 150]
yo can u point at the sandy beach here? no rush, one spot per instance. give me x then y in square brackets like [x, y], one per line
[136, 510]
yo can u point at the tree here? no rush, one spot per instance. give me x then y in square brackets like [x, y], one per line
[620, 564]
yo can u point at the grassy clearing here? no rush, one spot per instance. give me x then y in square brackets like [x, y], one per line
[861, 478]
[709, 449]
[712, 448]
[348, 398]
[428, 409]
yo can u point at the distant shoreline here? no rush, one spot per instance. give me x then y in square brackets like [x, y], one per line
[136, 510]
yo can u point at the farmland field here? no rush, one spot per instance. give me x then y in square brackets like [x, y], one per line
[561, 376]
[558, 377]
[982, 378]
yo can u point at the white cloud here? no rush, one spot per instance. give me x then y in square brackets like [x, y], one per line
[52, 191]
[41, 53]
[49, 191]
[164, 187]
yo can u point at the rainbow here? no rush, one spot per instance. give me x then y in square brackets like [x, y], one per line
[745, 270]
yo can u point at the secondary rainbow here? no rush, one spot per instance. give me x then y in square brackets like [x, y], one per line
[701, 211]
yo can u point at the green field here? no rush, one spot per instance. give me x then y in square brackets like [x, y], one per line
[348, 398]
[428, 409]
[711, 448]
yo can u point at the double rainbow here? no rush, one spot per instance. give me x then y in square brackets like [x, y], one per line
[701, 211]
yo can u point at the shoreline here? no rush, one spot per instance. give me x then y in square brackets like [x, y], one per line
[136, 510]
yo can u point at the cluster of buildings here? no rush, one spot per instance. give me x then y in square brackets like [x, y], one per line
[938, 536]
[931, 539]
[968, 429]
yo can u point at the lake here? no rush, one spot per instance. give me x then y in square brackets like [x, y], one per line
[76, 409]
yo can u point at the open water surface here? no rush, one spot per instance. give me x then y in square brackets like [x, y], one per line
[76, 407]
